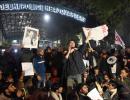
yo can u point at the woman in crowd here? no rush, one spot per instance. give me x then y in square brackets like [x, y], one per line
[56, 91]
[86, 78]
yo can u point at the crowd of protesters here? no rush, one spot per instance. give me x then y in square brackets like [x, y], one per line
[61, 74]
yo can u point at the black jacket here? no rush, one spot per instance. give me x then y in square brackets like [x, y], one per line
[74, 64]
[81, 97]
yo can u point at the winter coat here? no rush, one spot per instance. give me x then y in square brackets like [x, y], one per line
[74, 64]
[39, 66]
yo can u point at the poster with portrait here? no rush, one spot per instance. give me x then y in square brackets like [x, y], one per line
[30, 38]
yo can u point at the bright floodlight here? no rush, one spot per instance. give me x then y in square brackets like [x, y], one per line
[14, 41]
[46, 17]
[3, 50]
[15, 50]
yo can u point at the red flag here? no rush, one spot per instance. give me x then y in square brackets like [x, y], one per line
[119, 41]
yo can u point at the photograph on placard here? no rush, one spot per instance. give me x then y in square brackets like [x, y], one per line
[30, 38]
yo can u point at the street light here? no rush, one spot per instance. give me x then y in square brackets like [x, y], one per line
[46, 17]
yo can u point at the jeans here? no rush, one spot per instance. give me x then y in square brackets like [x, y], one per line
[41, 84]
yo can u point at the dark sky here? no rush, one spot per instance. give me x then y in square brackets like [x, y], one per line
[57, 25]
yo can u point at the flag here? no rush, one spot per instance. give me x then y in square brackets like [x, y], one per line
[97, 33]
[118, 40]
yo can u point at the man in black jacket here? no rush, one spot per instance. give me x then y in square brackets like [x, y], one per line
[74, 65]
